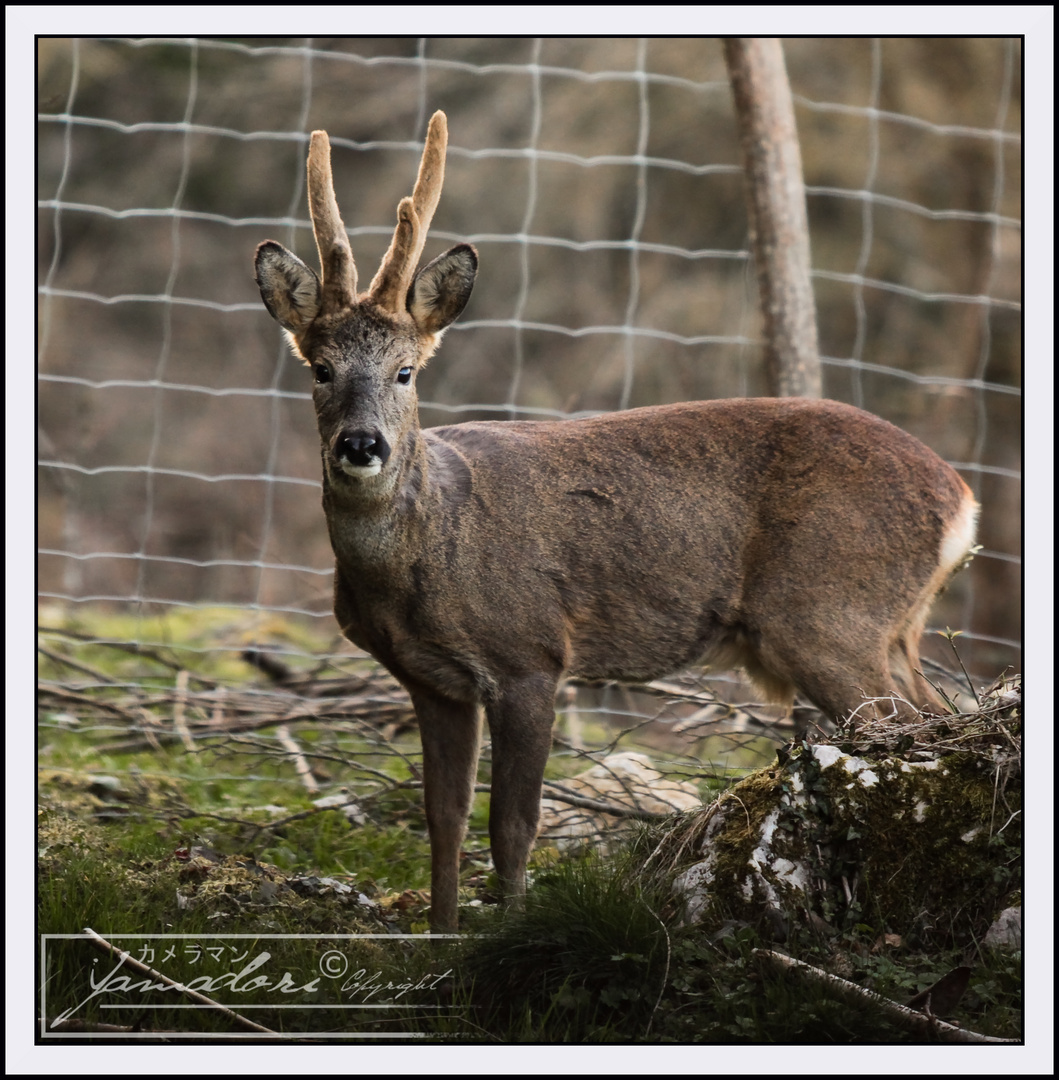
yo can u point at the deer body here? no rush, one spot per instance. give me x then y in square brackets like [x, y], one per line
[482, 563]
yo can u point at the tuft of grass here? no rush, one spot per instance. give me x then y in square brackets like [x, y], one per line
[584, 959]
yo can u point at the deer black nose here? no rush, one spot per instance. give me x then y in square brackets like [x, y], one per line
[362, 448]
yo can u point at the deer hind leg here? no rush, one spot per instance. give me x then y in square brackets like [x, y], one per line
[838, 672]
[450, 732]
[873, 656]
[906, 667]
[520, 726]
[903, 654]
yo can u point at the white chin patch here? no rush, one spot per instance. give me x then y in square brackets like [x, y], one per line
[361, 472]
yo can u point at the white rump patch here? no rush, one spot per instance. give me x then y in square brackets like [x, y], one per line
[959, 537]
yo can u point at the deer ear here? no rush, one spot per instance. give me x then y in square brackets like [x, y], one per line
[289, 288]
[442, 288]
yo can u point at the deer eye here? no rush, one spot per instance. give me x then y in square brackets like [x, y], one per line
[404, 375]
[321, 373]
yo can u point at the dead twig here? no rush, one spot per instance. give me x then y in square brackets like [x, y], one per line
[130, 647]
[301, 766]
[179, 726]
[76, 665]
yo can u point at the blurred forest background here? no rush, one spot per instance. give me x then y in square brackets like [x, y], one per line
[601, 183]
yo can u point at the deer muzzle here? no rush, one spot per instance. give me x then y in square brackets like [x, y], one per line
[361, 453]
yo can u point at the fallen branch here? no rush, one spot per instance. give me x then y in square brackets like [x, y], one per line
[920, 1023]
[556, 792]
[107, 1029]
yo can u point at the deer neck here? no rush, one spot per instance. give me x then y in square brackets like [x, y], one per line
[385, 520]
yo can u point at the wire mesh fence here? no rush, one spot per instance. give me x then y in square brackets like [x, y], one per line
[600, 181]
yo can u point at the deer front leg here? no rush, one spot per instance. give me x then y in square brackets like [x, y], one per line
[520, 726]
[450, 732]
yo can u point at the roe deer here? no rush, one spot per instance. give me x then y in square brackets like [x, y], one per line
[481, 563]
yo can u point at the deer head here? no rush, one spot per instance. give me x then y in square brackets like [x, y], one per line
[366, 349]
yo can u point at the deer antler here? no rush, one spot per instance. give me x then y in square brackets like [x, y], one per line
[337, 269]
[390, 285]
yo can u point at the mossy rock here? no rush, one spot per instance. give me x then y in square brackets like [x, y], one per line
[923, 843]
